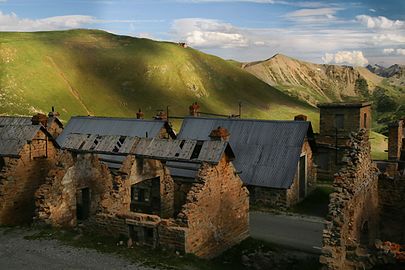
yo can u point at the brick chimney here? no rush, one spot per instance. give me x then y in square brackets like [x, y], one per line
[139, 114]
[219, 134]
[300, 117]
[395, 139]
[194, 109]
[40, 119]
[161, 115]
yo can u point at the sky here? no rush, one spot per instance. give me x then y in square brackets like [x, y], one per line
[334, 32]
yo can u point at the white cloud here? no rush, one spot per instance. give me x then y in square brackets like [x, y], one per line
[401, 51]
[11, 22]
[355, 58]
[206, 33]
[388, 51]
[379, 22]
[391, 51]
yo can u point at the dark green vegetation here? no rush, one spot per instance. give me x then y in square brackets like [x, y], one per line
[84, 72]
[316, 203]
[231, 259]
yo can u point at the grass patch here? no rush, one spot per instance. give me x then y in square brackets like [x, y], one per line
[316, 203]
[230, 259]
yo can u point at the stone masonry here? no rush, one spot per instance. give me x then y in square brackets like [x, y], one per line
[21, 176]
[352, 223]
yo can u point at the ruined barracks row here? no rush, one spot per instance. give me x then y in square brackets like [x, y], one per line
[273, 158]
[27, 151]
[110, 179]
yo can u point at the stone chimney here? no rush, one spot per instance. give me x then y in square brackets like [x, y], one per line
[40, 119]
[161, 115]
[300, 117]
[219, 134]
[52, 113]
[139, 114]
[194, 109]
[395, 139]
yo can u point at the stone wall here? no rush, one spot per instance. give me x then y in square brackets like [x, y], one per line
[216, 212]
[391, 191]
[21, 177]
[56, 200]
[352, 222]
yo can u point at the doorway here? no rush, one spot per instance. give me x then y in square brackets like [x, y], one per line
[83, 204]
[302, 176]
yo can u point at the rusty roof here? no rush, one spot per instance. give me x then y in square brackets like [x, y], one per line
[13, 138]
[267, 152]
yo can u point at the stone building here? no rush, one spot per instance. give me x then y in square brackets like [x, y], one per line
[396, 141]
[365, 224]
[27, 151]
[51, 122]
[337, 121]
[273, 158]
[121, 185]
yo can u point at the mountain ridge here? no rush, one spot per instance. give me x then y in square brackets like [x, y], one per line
[312, 82]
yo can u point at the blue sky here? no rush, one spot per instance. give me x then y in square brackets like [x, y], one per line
[342, 32]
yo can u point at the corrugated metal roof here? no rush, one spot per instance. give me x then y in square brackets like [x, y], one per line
[182, 150]
[15, 121]
[111, 126]
[101, 144]
[13, 138]
[267, 152]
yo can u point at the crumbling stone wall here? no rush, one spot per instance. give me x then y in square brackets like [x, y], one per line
[352, 222]
[391, 191]
[56, 199]
[21, 177]
[216, 212]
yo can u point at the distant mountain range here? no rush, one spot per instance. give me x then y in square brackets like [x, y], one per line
[392, 71]
[314, 83]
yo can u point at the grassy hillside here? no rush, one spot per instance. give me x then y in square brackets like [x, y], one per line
[92, 72]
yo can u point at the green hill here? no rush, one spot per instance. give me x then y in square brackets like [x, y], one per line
[83, 72]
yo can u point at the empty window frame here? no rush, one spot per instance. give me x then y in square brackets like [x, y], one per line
[339, 121]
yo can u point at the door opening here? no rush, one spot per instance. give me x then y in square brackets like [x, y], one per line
[302, 177]
[83, 204]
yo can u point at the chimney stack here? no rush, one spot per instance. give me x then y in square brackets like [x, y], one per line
[161, 115]
[395, 139]
[52, 113]
[219, 134]
[194, 109]
[139, 114]
[40, 119]
[300, 117]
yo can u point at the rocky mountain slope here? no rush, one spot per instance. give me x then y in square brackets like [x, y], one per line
[314, 83]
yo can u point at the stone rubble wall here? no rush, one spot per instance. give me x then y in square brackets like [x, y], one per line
[21, 177]
[56, 199]
[391, 191]
[216, 212]
[352, 222]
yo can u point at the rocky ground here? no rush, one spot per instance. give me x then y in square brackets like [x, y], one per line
[18, 253]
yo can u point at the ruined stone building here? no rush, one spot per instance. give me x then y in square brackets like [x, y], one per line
[337, 121]
[27, 151]
[273, 158]
[121, 185]
[396, 141]
[365, 225]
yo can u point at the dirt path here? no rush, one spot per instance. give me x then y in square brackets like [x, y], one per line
[73, 91]
[16, 253]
